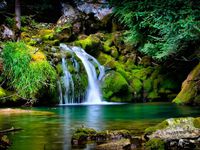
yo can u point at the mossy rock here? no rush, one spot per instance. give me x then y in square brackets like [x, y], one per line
[190, 88]
[155, 144]
[63, 33]
[91, 45]
[46, 34]
[175, 129]
[115, 86]
[159, 126]
[86, 130]
[114, 52]
[107, 46]
[136, 85]
[106, 60]
[142, 73]
[81, 135]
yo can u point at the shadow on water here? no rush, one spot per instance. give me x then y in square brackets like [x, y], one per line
[53, 132]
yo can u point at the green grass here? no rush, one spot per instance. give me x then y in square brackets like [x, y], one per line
[25, 76]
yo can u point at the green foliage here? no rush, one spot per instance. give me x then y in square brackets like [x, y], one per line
[160, 28]
[26, 76]
[25, 21]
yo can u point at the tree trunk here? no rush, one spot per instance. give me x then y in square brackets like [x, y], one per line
[17, 19]
[190, 91]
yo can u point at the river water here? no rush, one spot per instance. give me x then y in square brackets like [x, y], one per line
[53, 131]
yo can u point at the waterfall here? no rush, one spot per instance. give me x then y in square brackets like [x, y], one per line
[93, 92]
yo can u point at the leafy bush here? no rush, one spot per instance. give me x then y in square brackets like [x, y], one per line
[25, 21]
[24, 74]
[159, 27]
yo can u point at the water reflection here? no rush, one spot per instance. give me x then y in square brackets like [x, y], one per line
[53, 132]
[94, 117]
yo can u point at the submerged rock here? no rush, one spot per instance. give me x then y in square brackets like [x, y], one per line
[106, 140]
[115, 145]
[88, 134]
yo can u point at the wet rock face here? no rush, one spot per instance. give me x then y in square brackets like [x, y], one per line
[189, 93]
[181, 133]
[6, 33]
[99, 8]
[86, 17]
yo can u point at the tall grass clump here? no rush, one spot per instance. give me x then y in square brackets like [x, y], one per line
[25, 75]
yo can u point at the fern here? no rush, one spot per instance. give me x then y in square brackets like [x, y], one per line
[160, 27]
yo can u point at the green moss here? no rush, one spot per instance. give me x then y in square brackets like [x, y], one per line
[106, 48]
[147, 85]
[155, 144]
[2, 92]
[59, 29]
[190, 88]
[46, 34]
[114, 52]
[91, 45]
[104, 59]
[79, 136]
[136, 85]
[196, 122]
[153, 95]
[32, 42]
[159, 126]
[59, 69]
[142, 73]
[52, 42]
[115, 86]
[86, 130]
[121, 70]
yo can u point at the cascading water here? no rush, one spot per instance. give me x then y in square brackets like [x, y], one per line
[93, 94]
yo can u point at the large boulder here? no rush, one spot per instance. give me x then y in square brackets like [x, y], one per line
[177, 133]
[115, 88]
[189, 93]
[91, 44]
